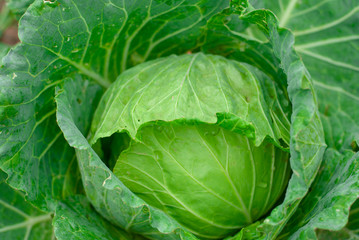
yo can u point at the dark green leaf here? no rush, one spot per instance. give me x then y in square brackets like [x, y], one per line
[327, 204]
[326, 36]
[349, 232]
[4, 49]
[75, 219]
[19, 219]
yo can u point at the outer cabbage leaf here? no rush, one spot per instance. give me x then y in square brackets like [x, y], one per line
[328, 41]
[276, 56]
[343, 234]
[19, 219]
[97, 39]
[108, 195]
[350, 231]
[326, 37]
[194, 87]
[328, 202]
[75, 219]
[4, 49]
[353, 223]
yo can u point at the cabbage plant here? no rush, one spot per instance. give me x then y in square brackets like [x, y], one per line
[187, 119]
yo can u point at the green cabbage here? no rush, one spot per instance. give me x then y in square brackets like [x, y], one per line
[205, 144]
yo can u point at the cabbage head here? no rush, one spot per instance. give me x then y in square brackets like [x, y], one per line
[204, 144]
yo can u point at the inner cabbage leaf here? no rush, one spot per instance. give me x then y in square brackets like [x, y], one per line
[211, 180]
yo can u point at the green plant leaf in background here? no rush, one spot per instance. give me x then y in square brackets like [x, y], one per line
[327, 38]
[19, 219]
[6, 19]
[353, 223]
[343, 234]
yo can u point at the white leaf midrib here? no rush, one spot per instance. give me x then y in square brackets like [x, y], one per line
[329, 60]
[325, 42]
[327, 25]
[29, 222]
[335, 89]
[286, 14]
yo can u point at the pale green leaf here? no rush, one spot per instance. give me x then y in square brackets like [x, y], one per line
[197, 87]
[224, 179]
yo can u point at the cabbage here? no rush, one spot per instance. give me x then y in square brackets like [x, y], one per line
[198, 149]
